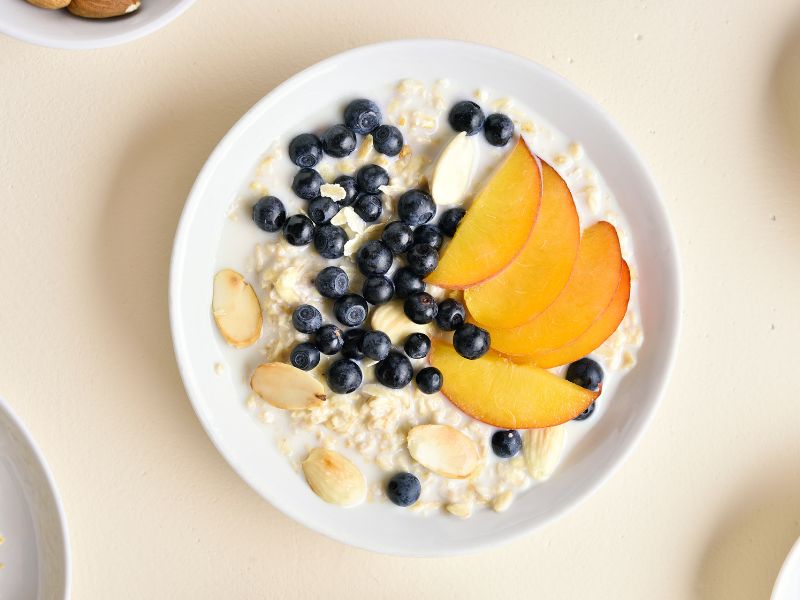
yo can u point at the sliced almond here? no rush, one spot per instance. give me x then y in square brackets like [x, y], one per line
[444, 450]
[237, 311]
[453, 171]
[334, 478]
[50, 4]
[287, 387]
[334, 191]
[392, 320]
[102, 9]
[543, 449]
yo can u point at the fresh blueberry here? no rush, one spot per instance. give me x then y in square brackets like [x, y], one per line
[269, 213]
[378, 289]
[585, 373]
[369, 207]
[321, 210]
[420, 308]
[470, 341]
[406, 282]
[429, 380]
[498, 129]
[422, 259]
[450, 220]
[352, 343]
[304, 356]
[398, 236]
[338, 141]
[416, 207]
[451, 314]
[329, 240]
[387, 140]
[328, 339]
[306, 318]
[332, 282]
[394, 371]
[429, 234]
[306, 183]
[349, 184]
[350, 310]
[506, 443]
[466, 116]
[376, 345]
[587, 413]
[305, 150]
[362, 116]
[417, 345]
[370, 178]
[298, 230]
[403, 489]
[374, 258]
[344, 376]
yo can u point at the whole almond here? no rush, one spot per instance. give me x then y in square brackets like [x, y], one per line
[287, 387]
[102, 9]
[543, 449]
[334, 478]
[50, 4]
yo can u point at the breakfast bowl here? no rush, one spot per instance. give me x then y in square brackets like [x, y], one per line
[482, 493]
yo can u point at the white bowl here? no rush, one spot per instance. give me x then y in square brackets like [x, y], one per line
[35, 551]
[243, 442]
[787, 584]
[60, 29]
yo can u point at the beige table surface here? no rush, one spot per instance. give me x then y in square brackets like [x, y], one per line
[98, 151]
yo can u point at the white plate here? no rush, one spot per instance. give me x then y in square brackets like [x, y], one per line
[242, 440]
[59, 29]
[787, 585]
[35, 551]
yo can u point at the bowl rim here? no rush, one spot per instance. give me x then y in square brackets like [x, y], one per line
[792, 560]
[446, 45]
[101, 41]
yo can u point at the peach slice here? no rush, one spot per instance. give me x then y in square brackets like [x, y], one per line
[497, 391]
[496, 226]
[591, 286]
[598, 332]
[541, 270]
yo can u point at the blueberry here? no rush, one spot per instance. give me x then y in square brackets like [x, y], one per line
[420, 308]
[416, 207]
[362, 116]
[328, 339]
[429, 380]
[403, 489]
[450, 220]
[349, 184]
[298, 230]
[305, 150]
[376, 345]
[394, 371]
[269, 213]
[370, 178]
[304, 356]
[585, 373]
[306, 318]
[587, 413]
[470, 341]
[338, 141]
[466, 116]
[398, 236]
[406, 282]
[378, 289]
[506, 443]
[422, 259]
[332, 282]
[387, 140]
[321, 210]
[429, 234]
[352, 344]
[350, 310]
[451, 314]
[329, 240]
[306, 183]
[368, 206]
[417, 345]
[374, 258]
[344, 376]
[498, 129]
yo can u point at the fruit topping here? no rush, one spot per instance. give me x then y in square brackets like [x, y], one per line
[378, 289]
[306, 318]
[420, 307]
[350, 310]
[304, 356]
[498, 129]
[269, 213]
[471, 341]
[403, 489]
[394, 371]
[398, 236]
[332, 282]
[338, 141]
[417, 345]
[429, 380]
[329, 339]
[376, 345]
[450, 220]
[506, 443]
[387, 140]
[415, 207]
[362, 116]
[298, 230]
[344, 376]
[466, 116]
[329, 241]
[305, 150]
[451, 314]
[374, 258]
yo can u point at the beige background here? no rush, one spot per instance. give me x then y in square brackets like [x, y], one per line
[98, 151]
